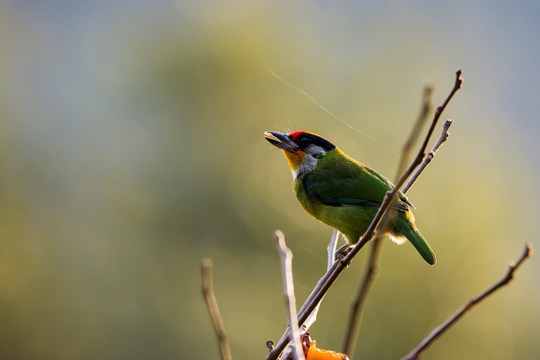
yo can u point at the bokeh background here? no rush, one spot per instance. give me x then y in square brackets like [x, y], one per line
[132, 147]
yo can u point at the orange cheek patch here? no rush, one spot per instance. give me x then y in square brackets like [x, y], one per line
[294, 159]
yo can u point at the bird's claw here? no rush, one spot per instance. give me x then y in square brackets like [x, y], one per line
[342, 252]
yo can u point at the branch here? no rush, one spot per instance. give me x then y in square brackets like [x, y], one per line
[457, 85]
[410, 172]
[330, 277]
[288, 288]
[438, 331]
[358, 306]
[372, 266]
[413, 137]
[431, 155]
[211, 302]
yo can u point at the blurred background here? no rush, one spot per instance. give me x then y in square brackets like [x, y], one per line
[132, 147]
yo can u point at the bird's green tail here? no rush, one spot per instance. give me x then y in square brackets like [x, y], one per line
[420, 244]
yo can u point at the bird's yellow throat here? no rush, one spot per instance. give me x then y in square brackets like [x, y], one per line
[294, 159]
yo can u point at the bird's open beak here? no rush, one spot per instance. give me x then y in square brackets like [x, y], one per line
[284, 142]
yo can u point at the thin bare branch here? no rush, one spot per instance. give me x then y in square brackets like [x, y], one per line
[439, 330]
[211, 302]
[372, 265]
[288, 288]
[431, 155]
[415, 132]
[457, 85]
[330, 277]
[354, 321]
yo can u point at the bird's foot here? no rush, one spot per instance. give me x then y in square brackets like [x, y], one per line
[340, 253]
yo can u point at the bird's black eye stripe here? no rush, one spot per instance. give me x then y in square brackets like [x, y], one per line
[306, 139]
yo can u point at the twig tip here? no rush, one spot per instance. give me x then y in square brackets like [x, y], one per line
[459, 79]
[279, 238]
[529, 249]
[527, 253]
[206, 263]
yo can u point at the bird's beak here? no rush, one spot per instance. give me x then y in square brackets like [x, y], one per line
[284, 142]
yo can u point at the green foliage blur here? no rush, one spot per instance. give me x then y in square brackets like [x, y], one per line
[132, 147]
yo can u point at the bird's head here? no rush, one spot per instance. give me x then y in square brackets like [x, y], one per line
[303, 149]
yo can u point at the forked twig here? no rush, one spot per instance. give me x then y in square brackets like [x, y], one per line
[439, 330]
[430, 155]
[358, 305]
[457, 85]
[211, 302]
[415, 132]
[372, 265]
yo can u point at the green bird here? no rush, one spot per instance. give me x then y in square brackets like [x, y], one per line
[343, 193]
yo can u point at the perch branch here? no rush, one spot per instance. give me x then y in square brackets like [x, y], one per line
[438, 331]
[211, 302]
[358, 305]
[372, 265]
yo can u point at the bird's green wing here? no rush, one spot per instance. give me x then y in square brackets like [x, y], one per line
[400, 195]
[356, 185]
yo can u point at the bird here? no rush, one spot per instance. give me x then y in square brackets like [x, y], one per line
[344, 193]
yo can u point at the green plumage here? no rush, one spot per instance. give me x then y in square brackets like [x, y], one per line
[346, 195]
